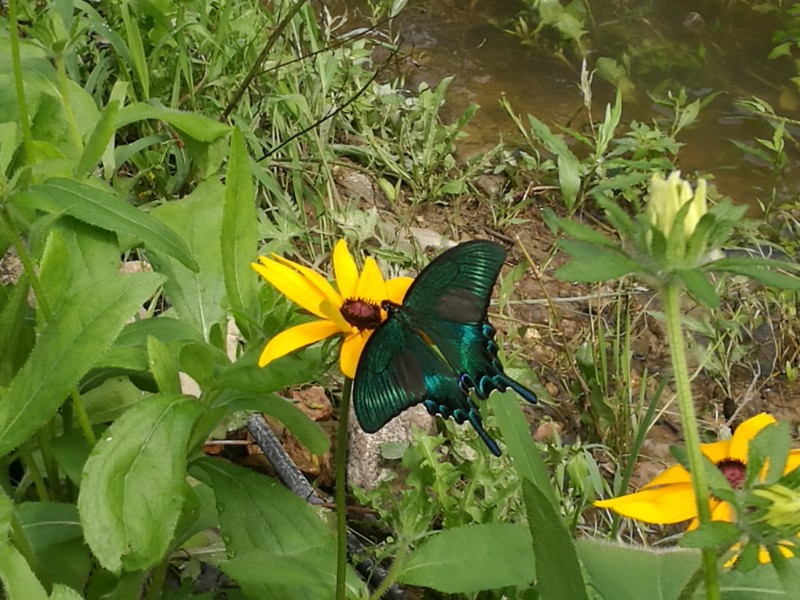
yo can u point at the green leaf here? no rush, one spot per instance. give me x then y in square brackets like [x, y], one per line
[19, 581]
[517, 438]
[310, 573]
[569, 178]
[761, 583]
[134, 483]
[17, 334]
[628, 573]
[698, 285]
[83, 328]
[593, 263]
[558, 571]
[163, 366]
[471, 558]
[308, 432]
[197, 296]
[239, 230]
[101, 208]
[194, 125]
[759, 269]
[98, 141]
[260, 516]
[583, 233]
[55, 535]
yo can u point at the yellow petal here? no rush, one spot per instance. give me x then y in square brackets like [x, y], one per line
[717, 451]
[746, 432]
[676, 474]
[371, 286]
[315, 278]
[792, 461]
[665, 505]
[351, 351]
[723, 512]
[333, 313]
[345, 269]
[396, 288]
[292, 284]
[296, 337]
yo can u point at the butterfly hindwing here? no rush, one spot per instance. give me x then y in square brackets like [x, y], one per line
[398, 370]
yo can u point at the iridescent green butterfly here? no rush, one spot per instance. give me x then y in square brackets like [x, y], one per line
[437, 347]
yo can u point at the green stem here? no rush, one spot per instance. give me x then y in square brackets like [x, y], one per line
[394, 571]
[341, 490]
[671, 297]
[22, 105]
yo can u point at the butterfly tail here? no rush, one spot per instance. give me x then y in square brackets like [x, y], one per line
[475, 419]
[504, 382]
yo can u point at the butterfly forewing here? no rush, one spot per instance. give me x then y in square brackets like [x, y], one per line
[457, 286]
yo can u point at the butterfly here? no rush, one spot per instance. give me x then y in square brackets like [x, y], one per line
[438, 346]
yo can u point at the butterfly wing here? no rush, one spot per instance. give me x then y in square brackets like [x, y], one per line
[448, 303]
[398, 370]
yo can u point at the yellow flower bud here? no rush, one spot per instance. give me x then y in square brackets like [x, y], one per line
[667, 197]
[785, 508]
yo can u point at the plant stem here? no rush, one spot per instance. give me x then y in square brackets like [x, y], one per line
[341, 490]
[671, 296]
[22, 105]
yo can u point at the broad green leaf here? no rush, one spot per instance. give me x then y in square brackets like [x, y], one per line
[71, 451]
[19, 581]
[163, 366]
[761, 583]
[104, 209]
[308, 432]
[517, 438]
[698, 285]
[98, 141]
[259, 516]
[49, 523]
[196, 126]
[54, 277]
[558, 571]
[16, 331]
[310, 573]
[471, 558]
[592, 263]
[83, 328]
[55, 535]
[628, 573]
[93, 252]
[62, 592]
[107, 401]
[287, 371]
[197, 297]
[134, 483]
[239, 237]
[130, 349]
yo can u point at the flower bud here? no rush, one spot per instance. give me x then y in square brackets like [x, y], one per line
[667, 197]
[784, 510]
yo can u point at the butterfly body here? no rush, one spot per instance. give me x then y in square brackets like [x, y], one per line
[437, 347]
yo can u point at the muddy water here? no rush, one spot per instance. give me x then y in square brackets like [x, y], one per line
[697, 45]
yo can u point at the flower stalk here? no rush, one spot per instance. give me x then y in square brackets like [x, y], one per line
[341, 490]
[671, 296]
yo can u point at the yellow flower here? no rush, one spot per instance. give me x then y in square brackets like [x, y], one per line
[667, 197]
[353, 311]
[669, 498]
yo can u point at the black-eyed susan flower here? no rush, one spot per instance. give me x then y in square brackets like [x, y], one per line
[667, 197]
[669, 498]
[353, 311]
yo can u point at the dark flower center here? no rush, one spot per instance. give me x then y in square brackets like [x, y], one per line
[361, 314]
[734, 471]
